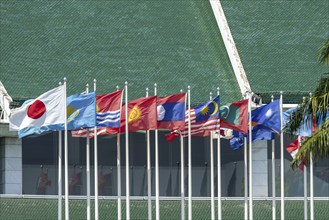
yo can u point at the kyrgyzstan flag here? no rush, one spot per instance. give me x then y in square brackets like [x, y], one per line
[142, 114]
[48, 109]
[235, 116]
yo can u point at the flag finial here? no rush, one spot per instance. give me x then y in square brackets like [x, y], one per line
[117, 87]
[181, 91]
[281, 92]
[217, 90]
[95, 80]
[64, 79]
[126, 83]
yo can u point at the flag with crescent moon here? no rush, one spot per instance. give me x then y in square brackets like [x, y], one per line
[204, 118]
[234, 115]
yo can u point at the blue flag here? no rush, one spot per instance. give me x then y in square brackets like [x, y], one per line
[207, 110]
[81, 111]
[268, 115]
[259, 133]
[305, 128]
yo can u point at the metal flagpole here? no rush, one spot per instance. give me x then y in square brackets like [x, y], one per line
[182, 177]
[127, 157]
[305, 180]
[311, 179]
[212, 190]
[96, 166]
[119, 166]
[219, 171]
[66, 161]
[148, 156]
[245, 162]
[311, 187]
[189, 156]
[282, 158]
[182, 188]
[157, 193]
[273, 176]
[305, 183]
[88, 166]
[59, 173]
[250, 160]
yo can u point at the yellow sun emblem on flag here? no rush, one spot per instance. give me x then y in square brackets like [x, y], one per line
[134, 114]
[204, 110]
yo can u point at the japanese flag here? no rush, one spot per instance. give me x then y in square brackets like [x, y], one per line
[47, 109]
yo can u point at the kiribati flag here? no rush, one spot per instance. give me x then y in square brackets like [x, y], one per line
[108, 111]
[171, 111]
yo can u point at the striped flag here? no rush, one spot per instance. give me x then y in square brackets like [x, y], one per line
[108, 111]
[204, 118]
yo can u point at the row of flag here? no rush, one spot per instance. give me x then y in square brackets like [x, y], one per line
[87, 110]
[106, 114]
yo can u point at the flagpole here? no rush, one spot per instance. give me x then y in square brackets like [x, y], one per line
[88, 167]
[311, 179]
[311, 187]
[189, 156]
[157, 204]
[250, 160]
[182, 187]
[96, 165]
[273, 176]
[282, 158]
[60, 173]
[305, 178]
[67, 216]
[212, 191]
[149, 192]
[127, 156]
[119, 166]
[305, 183]
[245, 161]
[219, 171]
[182, 177]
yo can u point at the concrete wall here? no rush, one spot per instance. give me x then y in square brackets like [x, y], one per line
[11, 181]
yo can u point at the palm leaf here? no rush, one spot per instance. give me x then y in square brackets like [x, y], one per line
[318, 144]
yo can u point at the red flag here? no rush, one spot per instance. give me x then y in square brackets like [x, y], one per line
[108, 108]
[293, 148]
[142, 114]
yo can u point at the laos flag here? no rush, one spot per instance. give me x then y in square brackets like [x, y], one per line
[171, 111]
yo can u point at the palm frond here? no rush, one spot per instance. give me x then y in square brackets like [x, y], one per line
[318, 144]
[324, 53]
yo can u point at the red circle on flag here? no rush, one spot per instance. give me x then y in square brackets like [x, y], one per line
[36, 110]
